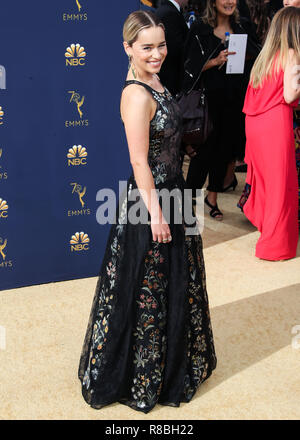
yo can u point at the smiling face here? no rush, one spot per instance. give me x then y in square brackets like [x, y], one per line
[226, 7]
[148, 51]
[295, 3]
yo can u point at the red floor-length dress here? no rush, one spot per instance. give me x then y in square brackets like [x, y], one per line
[272, 205]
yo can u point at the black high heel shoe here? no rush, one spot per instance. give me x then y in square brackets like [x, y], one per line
[233, 185]
[214, 210]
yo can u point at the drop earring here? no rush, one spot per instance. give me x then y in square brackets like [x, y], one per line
[129, 61]
[133, 71]
[130, 65]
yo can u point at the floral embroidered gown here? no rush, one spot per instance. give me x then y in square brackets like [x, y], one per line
[149, 338]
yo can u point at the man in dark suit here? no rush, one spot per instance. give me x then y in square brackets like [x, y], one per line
[170, 13]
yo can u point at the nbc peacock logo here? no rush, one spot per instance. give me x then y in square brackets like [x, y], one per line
[75, 55]
[1, 116]
[3, 208]
[77, 155]
[79, 242]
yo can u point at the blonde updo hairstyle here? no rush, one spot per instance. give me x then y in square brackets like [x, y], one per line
[136, 22]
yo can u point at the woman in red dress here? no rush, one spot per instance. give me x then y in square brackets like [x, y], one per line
[273, 92]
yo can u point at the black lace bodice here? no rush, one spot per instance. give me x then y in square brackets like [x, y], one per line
[165, 136]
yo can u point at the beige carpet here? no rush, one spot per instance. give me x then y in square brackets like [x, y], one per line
[254, 307]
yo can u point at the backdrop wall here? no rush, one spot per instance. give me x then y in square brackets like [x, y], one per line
[61, 137]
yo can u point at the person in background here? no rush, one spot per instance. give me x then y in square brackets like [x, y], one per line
[244, 9]
[296, 4]
[225, 97]
[258, 10]
[261, 12]
[197, 6]
[171, 15]
[273, 6]
[273, 92]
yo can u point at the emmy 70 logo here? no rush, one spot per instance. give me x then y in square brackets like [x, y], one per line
[80, 191]
[78, 5]
[3, 174]
[76, 15]
[77, 101]
[75, 97]
[3, 244]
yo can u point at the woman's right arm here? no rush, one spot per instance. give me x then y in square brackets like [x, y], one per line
[137, 111]
[291, 84]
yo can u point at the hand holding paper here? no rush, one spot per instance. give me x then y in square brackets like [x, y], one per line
[238, 44]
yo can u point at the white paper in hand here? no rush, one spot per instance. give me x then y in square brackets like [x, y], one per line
[238, 44]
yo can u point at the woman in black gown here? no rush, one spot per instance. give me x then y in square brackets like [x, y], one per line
[149, 338]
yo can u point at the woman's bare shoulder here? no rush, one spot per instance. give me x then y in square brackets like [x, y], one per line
[135, 93]
[136, 101]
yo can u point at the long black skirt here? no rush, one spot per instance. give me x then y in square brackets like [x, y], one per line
[149, 338]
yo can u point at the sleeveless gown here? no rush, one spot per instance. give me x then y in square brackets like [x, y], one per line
[149, 337]
[272, 205]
